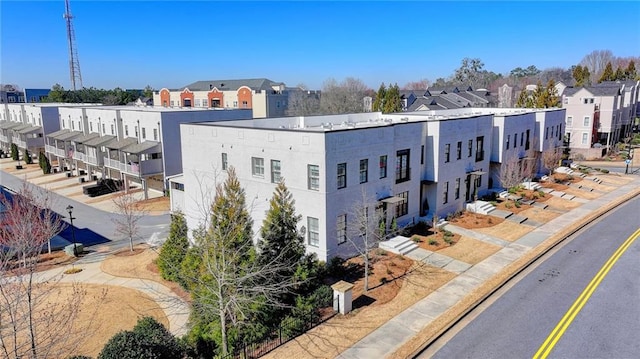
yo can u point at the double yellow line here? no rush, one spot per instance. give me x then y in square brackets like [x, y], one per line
[564, 323]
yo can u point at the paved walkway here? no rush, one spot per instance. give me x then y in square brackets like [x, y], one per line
[176, 309]
[393, 334]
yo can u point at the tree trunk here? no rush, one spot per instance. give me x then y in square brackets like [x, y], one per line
[131, 243]
[366, 272]
[223, 332]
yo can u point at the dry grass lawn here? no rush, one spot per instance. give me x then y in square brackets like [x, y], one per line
[563, 204]
[582, 193]
[539, 214]
[470, 250]
[471, 220]
[507, 230]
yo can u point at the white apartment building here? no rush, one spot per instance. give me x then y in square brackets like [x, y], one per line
[410, 165]
[140, 145]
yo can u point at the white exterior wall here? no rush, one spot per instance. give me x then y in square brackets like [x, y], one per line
[73, 118]
[103, 116]
[16, 113]
[576, 111]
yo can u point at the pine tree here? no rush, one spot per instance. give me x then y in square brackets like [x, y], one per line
[619, 75]
[630, 72]
[607, 74]
[174, 249]
[43, 161]
[552, 94]
[522, 98]
[378, 103]
[15, 155]
[539, 96]
[27, 157]
[581, 75]
[280, 239]
[392, 100]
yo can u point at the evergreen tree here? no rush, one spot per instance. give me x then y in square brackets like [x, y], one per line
[552, 94]
[378, 102]
[630, 72]
[148, 339]
[540, 96]
[581, 75]
[607, 74]
[522, 98]
[619, 75]
[15, 155]
[392, 100]
[44, 163]
[27, 157]
[174, 249]
[281, 241]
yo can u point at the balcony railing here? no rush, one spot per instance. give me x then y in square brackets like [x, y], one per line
[20, 143]
[91, 160]
[56, 151]
[79, 156]
[4, 138]
[144, 168]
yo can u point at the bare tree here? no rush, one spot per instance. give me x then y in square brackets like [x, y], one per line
[361, 227]
[345, 97]
[422, 84]
[303, 103]
[129, 213]
[510, 172]
[37, 320]
[596, 61]
[551, 158]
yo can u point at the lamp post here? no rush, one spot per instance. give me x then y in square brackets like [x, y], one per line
[73, 232]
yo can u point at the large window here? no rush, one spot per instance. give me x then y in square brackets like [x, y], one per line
[515, 140]
[364, 171]
[459, 150]
[508, 140]
[383, 166]
[527, 142]
[275, 171]
[342, 175]
[257, 166]
[469, 148]
[447, 152]
[445, 194]
[586, 121]
[402, 207]
[569, 121]
[457, 189]
[313, 177]
[479, 148]
[402, 166]
[225, 163]
[313, 230]
[341, 226]
[585, 138]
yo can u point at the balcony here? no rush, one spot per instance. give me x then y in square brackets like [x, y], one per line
[144, 168]
[79, 156]
[60, 152]
[4, 138]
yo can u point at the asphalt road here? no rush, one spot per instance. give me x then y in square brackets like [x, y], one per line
[516, 321]
[94, 226]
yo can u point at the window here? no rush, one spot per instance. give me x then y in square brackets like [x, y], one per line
[459, 150]
[586, 121]
[245, 104]
[341, 226]
[277, 104]
[470, 148]
[447, 152]
[402, 166]
[585, 137]
[527, 143]
[480, 149]
[73, 125]
[569, 120]
[104, 129]
[177, 186]
[112, 130]
[546, 133]
[126, 130]
[402, 207]
[155, 134]
[136, 129]
[566, 100]
[225, 164]
[508, 139]
[383, 166]
[313, 228]
[457, 189]
[422, 155]
[257, 166]
[560, 132]
[515, 140]
[364, 171]
[172, 103]
[235, 104]
[342, 175]
[275, 171]
[144, 133]
[522, 139]
[445, 194]
[313, 177]
[90, 126]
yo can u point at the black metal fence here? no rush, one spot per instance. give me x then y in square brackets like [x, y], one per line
[288, 329]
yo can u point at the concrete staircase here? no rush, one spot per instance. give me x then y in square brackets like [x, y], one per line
[399, 245]
[480, 207]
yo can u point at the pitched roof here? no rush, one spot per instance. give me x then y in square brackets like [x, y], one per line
[232, 85]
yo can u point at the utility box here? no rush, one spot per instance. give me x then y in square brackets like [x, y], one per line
[342, 297]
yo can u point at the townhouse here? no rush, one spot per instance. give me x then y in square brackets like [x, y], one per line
[265, 97]
[599, 116]
[408, 166]
[139, 145]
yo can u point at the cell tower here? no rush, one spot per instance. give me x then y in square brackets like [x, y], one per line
[74, 63]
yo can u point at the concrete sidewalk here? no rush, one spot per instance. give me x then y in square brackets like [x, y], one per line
[392, 335]
[176, 309]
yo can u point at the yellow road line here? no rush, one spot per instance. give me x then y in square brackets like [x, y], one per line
[564, 323]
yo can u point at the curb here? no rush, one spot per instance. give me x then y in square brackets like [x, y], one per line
[456, 313]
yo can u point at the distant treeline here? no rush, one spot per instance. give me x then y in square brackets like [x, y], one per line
[115, 96]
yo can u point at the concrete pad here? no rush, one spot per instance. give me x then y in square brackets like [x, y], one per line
[496, 260]
[532, 239]
[532, 223]
[460, 286]
[457, 266]
[380, 342]
[414, 320]
[419, 254]
[483, 270]
[437, 260]
[430, 308]
[513, 251]
[501, 214]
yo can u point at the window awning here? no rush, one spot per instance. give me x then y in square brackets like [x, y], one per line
[120, 144]
[392, 200]
[142, 147]
[477, 173]
[30, 129]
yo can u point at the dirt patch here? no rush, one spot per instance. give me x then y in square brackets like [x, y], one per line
[514, 207]
[156, 204]
[470, 250]
[436, 241]
[140, 264]
[471, 220]
[507, 230]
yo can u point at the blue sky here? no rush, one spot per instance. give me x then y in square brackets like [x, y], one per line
[132, 44]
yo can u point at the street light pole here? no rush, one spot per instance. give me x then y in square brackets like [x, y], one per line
[73, 232]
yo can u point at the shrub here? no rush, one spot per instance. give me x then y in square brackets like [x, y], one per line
[508, 205]
[604, 170]
[517, 204]
[448, 240]
[148, 339]
[541, 193]
[174, 249]
[27, 157]
[416, 239]
[384, 280]
[433, 242]
[44, 163]
[15, 155]
[335, 267]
